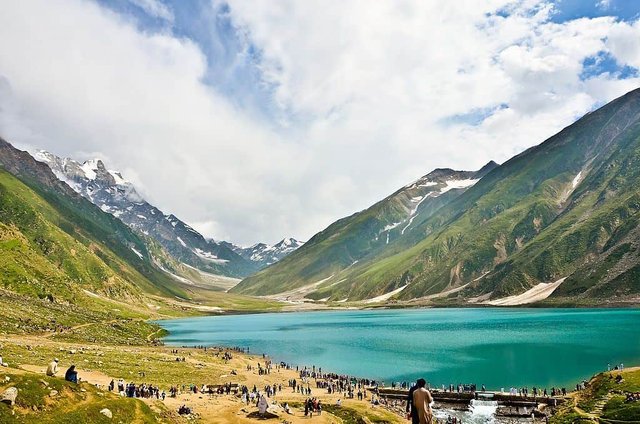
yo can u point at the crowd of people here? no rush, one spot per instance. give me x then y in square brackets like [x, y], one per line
[133, 390]
[633, 397]
[417, 404]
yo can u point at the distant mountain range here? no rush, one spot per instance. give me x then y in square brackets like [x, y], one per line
[266, 254]
[559, 222]
[113, 194]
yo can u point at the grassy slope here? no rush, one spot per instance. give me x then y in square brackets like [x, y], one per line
[603, 400]
[73, 403]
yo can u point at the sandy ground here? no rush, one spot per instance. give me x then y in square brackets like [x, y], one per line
[535, 294]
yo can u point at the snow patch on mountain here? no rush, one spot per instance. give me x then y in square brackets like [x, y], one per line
[412, 214]
[137, 253]
[576, 180]
[209, 256]
[453, 184]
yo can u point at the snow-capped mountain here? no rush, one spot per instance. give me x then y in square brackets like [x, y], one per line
[113, 194]
[264, 254]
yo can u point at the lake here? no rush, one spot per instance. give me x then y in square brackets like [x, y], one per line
[496, 347]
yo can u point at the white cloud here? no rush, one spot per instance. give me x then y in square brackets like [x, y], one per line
[624, 43]
[366, 90]
[155, 8]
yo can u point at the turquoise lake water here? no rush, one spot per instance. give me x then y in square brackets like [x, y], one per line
[495, 347]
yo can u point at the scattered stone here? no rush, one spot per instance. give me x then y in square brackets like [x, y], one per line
[9, 396]
[53, 393]
[107, 413]
[7, 378]
[83, 390]
[44, 383]
[72, 351]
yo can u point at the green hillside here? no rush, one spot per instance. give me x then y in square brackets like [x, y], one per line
[362, 235]
[66, 266]
[565, 208]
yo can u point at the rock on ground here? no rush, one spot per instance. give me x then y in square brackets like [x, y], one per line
[9, 396]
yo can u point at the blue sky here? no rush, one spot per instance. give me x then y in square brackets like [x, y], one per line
[254, 120]
[573, 9]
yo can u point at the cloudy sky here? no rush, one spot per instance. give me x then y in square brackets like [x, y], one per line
[258, 119]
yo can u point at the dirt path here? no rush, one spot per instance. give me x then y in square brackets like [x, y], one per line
[76, 327]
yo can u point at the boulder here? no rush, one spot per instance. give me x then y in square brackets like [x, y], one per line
[9, 396]
[107, 413]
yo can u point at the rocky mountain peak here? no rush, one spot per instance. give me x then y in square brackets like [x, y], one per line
[113, 194]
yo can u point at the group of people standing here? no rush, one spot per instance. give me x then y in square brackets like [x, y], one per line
[131, 390]
[312, 405]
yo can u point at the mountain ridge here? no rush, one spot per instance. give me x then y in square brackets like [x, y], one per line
[117, 196]
[494, 240]
[348, 240]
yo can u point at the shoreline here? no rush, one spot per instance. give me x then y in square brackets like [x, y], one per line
[235, 312]
[300, 361]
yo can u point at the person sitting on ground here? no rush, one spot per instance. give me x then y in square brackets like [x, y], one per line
[71, 374]
[52, 368]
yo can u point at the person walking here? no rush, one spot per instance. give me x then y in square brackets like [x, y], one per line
[412, 412]
[422, 400]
